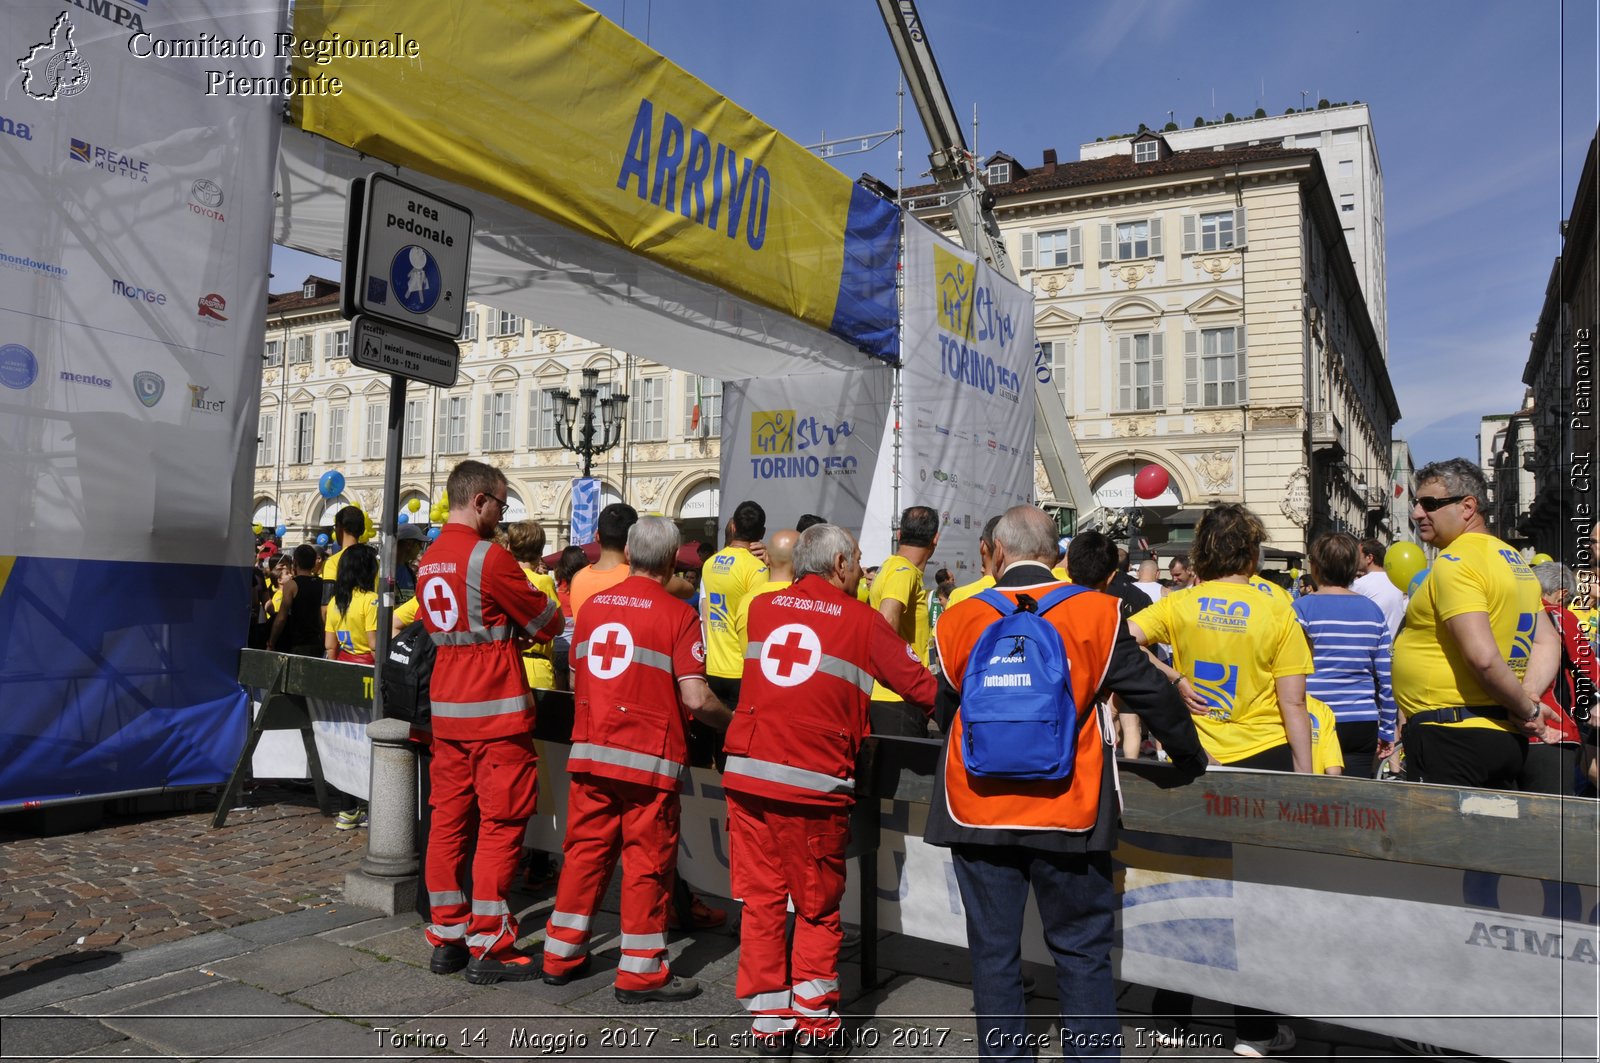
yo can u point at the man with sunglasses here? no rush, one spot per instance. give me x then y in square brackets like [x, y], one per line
[480, 609]
[1475, 643]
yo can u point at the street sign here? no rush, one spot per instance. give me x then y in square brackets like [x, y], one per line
[412, 257]
[404, 352]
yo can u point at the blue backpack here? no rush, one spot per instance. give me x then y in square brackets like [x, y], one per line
[1018, 716]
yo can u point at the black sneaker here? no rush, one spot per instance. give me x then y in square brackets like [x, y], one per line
[571, 976]
[508, 967]
[829, 1046]
[677, 989]
[448, 959]
[772, 1047]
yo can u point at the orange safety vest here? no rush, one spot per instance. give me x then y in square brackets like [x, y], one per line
[1088, 625]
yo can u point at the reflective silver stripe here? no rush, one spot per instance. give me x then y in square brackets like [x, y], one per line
[490, 907]
[814, 1013]
[538, 622]
[482, 941]
[817, 988]
[480, 550]
[850, 673]
[447, 897]
[789, 775]
[568, 921]
[565, 949]
[773, 1023]
[773, 1001]
[463, 710]
[469, 638]
[639, 964]
[448, 933]
[644, 941]
[648, 658]
[627, 758]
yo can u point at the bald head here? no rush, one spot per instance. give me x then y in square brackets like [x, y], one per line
[780, 554]
[1025, 533]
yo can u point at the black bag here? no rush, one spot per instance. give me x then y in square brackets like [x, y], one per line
[407, 675]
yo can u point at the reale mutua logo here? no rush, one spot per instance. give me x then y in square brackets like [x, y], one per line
[54, 69]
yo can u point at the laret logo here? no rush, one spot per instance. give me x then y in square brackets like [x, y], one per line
[198, 400]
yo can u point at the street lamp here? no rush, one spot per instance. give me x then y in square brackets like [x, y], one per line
[575, 417]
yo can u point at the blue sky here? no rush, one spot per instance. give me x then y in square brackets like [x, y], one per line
[1482, 111]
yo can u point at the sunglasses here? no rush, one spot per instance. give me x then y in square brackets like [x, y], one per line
[1431, 504]
[501, 502]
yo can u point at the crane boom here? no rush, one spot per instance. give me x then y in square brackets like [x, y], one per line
[972, 208]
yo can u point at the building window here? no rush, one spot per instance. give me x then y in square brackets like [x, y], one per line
[267, 442]
[1220, 230]
[706, 392]
[1052, 248]
[469, 326]
[648, 414]
[998, 173]
[450, 433]
[377, 422]
[274, 353]
[411, 445]
[299, 350]
[497, 418]
[336, 345]
[1214, 367]
[1130, 239]
[1141, 372]
[305, 437]
[309, 291]
[507, 324]
[336, 432]
[542, 419]
[1146, 151]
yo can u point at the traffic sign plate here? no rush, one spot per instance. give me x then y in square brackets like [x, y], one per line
[411, 262]
[401, 351]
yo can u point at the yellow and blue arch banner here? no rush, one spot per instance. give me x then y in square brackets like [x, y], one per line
[549, 106]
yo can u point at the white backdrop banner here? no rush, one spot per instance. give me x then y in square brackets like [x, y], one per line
[967, 398]
[808, 444]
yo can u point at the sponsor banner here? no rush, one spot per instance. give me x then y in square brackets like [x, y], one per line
[631, 150]
[132, 286]
[967, 408]
[343, 747]
[585, 511]
[808, 444]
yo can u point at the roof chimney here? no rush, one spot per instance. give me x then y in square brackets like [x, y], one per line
[1049, 160]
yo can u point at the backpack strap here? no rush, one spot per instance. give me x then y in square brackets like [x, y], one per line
[995, 600]
[1059, 595]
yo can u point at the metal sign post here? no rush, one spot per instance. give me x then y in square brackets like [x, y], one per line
[405, 281]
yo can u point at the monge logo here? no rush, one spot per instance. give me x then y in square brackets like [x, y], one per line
[137, 294]
[55, 69]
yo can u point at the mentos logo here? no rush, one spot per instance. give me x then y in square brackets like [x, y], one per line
[967, 316]
[89, 379]
[109, 160]
[138, 294]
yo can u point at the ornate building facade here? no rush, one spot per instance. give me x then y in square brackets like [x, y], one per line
[320, 412]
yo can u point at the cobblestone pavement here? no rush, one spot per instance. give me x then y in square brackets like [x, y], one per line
[136, 881]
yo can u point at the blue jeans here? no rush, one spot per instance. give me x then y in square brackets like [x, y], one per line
[1078, 907]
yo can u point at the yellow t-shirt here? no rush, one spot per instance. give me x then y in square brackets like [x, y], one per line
[741, 615]
[352, 624]
[538, 660]
[727, 578]
[967, 590]
[1325, 750]
[406, 612]
[1475, 574]
[330, 576]
[901, 581]
[1233, 641]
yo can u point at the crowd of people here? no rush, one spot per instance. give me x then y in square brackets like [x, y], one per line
[772, 658]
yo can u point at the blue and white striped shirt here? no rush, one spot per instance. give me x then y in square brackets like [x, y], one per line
[1351, 649]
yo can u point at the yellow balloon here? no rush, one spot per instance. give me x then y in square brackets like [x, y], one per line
[414, 505]
[256, 528]
[1402, 563]
[1541, 559]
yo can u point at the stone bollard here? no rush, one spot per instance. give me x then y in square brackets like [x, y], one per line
[387, 877]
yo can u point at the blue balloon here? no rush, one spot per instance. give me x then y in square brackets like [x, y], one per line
[433, 533]
[281, 530]
[331, 485]
[1416, 581]
[322, 539]
[403, 518]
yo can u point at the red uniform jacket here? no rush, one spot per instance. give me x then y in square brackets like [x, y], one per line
[632, 644]
[809, 665]
[475, 600]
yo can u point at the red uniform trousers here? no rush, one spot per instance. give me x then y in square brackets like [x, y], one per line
[606, 817]
[781, 852]
[500, 777]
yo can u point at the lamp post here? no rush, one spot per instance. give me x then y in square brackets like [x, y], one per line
[575, 417]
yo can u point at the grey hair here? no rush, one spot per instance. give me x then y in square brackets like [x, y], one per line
[1554, 576]
[1459, 476]
[818, 547]
[653, 546]
[1027, 532]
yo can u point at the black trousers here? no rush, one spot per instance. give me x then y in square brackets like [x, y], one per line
[1465, 756]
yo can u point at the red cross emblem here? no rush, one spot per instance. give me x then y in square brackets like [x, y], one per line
[440, 601]
[791, 655]
[610, 651]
